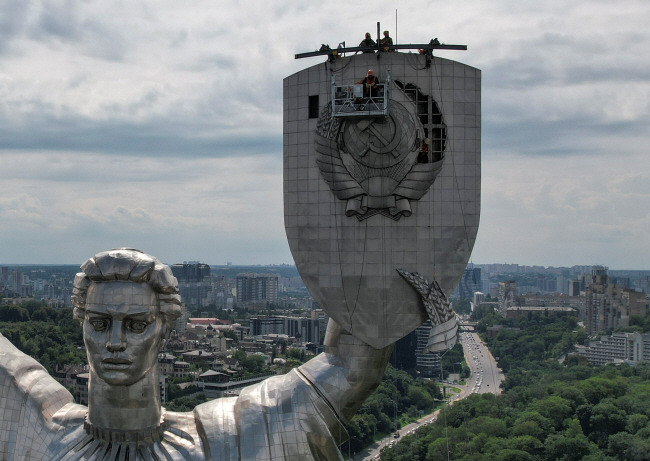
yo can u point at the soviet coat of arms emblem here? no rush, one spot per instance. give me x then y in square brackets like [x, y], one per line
[378, 164]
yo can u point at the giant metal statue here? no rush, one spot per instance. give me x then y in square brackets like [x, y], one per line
[381, 212]
[126, 301]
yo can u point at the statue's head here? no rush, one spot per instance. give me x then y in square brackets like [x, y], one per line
[126, 302]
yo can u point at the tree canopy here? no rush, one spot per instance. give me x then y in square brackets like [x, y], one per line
[49, 335]
[548, 410]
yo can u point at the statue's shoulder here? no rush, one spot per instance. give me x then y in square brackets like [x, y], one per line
[26, 383]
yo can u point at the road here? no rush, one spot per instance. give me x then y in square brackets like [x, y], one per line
[485, 377]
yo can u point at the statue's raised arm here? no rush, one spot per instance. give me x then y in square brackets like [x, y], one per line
[348, 371]
[300, 415]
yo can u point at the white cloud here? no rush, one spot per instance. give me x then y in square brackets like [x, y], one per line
[114, 200]
[566, 211]
[160, 123]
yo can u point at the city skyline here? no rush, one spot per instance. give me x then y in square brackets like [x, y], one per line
[160, 127]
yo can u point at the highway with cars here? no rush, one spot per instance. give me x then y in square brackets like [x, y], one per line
[485, 377]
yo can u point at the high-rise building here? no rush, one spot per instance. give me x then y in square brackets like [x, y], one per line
[469, 283]
[507, 294]
[623, 282]
[582, 281]
[322, 317]
[307, 329]
[485, 282]
[574, 288]
[260, 326]
[182, 320]
[478, 298]
[257, 287]
[607, 305]
[15, 283]
[643, 284]
[550, 286]
[194, 283]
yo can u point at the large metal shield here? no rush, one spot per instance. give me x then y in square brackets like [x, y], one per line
[375, 203]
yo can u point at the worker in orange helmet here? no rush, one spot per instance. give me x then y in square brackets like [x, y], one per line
[370, 83]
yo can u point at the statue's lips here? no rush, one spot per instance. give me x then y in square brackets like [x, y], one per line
[116, 364]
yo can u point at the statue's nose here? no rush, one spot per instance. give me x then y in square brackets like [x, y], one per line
[116, 341]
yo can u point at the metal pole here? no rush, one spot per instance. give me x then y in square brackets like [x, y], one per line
[378, 28]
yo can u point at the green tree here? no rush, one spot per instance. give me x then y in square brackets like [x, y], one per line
[185, 404]
[419, 397]
[232, 334]
[13, 314]
[289, 365]
[606, 419]
[567, 447]
[437, 450]
[493, 427]
[526, 443]
[635, 422]
[619, 443]
[509, 454]
[461, 306]
[296, 354]
[481, 311]
[528, 428]
[555, 409]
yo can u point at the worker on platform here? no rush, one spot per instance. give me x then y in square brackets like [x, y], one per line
[370, 84]
[386, 42]
[369, 42]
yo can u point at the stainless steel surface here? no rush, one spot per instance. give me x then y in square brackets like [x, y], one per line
[297, 416]
[360, 203]
[443, 319]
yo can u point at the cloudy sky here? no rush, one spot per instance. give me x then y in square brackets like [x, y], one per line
[158, 125]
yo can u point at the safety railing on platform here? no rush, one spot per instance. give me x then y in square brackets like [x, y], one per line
[356, 100]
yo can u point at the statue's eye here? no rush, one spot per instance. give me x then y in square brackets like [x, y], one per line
[136, 326]
[99, 324]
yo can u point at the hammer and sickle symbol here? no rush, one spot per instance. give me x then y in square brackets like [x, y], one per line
[386, 145]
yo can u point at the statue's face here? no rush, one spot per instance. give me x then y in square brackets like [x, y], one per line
[122, 331]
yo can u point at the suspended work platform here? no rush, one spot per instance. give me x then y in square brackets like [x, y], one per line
[353, 100]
